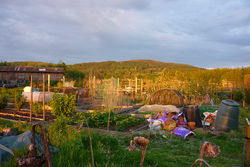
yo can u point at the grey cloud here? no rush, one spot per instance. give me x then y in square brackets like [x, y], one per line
[206, 33]
[213, 20]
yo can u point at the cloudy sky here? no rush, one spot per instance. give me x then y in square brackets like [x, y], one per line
[204, 33]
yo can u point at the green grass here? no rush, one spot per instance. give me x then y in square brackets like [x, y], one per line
[178, 152]
[18, 126]
[111, 149]
[18, 153]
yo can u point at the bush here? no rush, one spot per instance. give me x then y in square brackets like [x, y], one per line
[9, 93]
[57, 132]
[19, 100]
[37, 108]
[237, 95]
[248, 96]
[3, 101]
[75, 75]
[217, 99]
[63, 105]
[223, 95]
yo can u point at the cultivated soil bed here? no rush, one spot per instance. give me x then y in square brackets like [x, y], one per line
[23, 115]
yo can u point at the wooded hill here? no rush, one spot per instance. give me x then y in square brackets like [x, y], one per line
[188, 79]
[122, 69]
[131, 68]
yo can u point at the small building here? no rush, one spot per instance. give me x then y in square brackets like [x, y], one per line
[22, 74]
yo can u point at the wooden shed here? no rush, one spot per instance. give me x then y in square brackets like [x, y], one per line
[13, 73]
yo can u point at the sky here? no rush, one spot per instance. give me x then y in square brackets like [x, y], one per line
[203, 33]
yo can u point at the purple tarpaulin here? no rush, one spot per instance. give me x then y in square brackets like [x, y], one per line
[182, 132]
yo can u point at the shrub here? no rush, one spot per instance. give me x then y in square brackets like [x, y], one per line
[58, 131]
[3, 101]
[37, 108]
[237, 95]
[223, 95]
[63, 105]
[9, 93]
[19, 100]
[247, 98]
[217, 99]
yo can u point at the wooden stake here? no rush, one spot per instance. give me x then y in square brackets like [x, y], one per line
[89, 83]
[48, 82]
[63, 84]
[135, 85]
[90, 88]
[118, 83]
[94, 86]
[143, 153]
[44, 97]
[31, 96]
[141, 86]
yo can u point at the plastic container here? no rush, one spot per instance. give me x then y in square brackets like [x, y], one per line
[191, 125]
[227, 117]
[192, 114]
[248, 131]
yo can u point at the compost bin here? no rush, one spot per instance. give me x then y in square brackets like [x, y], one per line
[228, 116]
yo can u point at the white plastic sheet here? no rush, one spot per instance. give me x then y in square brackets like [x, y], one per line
[38, 96]
[158, 108]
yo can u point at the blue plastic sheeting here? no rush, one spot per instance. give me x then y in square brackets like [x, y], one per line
[13, 143]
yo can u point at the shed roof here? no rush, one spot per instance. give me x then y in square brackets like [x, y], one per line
[32, 69]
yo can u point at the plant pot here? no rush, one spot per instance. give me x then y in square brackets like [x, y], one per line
[191, 125]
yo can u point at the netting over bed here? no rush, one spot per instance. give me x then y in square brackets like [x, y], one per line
[166, 97]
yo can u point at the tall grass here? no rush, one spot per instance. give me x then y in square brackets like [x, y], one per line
[108, 152]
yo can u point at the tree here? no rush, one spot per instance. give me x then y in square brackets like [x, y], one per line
[75, 75]
[4, 63]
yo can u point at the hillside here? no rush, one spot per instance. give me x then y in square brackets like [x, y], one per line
[131, 68]
[30, 64]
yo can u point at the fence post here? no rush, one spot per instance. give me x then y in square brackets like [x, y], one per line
[44, 97]
[48, 82]
[31, 96]
[135, 85]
